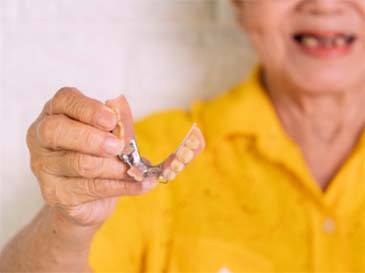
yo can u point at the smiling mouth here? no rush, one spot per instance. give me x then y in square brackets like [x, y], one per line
[325, 44]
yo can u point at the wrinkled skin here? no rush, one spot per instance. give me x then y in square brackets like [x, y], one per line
[323, 91]
[78, 174]
[270, 25]
[324, 95]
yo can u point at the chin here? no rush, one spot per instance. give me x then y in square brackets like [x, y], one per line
[325, 80]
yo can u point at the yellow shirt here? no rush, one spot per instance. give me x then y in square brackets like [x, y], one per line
[247, 204]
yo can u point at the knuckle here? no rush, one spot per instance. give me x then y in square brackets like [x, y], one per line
[30, 136]
[47, 130]
[88, 166]
[98, 187]
[75, 107]
[65, 93]
[65, 97]
[92, 138]
[93, 188]
[101, 188]
[121, 188]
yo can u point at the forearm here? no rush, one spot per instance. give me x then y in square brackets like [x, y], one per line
[48, 244]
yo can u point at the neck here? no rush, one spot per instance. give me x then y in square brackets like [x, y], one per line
[325, 126]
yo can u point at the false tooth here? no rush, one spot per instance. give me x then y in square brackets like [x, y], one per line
[177, 166]
[185, 155]
[340, 41]
[169, 175]
[192, 142]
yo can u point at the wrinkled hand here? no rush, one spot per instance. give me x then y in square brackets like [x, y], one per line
[73, 155]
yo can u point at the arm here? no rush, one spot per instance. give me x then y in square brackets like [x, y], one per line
[50, 243]
[73, 156]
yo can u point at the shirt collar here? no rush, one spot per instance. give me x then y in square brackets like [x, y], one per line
[244, 110]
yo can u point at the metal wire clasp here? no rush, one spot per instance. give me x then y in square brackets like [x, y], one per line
[133, 159]
[132, 156]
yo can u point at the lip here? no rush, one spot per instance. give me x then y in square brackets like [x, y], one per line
[325, 52]
[325, 33]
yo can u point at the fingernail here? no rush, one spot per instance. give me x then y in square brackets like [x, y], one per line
[106, 118]
[113, 145]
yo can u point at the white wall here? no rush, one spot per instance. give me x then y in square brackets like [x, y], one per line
[160, 53]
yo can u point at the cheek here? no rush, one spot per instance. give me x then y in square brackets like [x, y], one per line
[267, 23]
[269, 43]
[263, 24]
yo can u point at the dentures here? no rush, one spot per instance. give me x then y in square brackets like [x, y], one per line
[190, 147]
[140, 168]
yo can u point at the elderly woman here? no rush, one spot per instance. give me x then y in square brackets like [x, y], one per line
[279, 186]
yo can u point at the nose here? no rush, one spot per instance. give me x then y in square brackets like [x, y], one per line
[321, 7]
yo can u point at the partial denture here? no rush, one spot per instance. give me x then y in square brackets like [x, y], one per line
[188, 150]
[140, 169]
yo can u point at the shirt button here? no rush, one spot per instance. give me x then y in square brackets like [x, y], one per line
[329, 225]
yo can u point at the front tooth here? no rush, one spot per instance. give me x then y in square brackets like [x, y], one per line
[310, 41]
[177, 166]
[192, 142]
[340, 41]
[185, 155]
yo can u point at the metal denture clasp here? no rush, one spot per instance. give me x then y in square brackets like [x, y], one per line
[133, 159]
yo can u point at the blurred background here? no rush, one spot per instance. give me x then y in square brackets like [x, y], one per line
[160, 53]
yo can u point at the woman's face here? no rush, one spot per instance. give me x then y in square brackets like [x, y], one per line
[313, 45]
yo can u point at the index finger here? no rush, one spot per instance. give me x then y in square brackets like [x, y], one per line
[72, 103]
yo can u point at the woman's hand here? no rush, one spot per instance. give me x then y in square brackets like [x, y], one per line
[73, 155]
